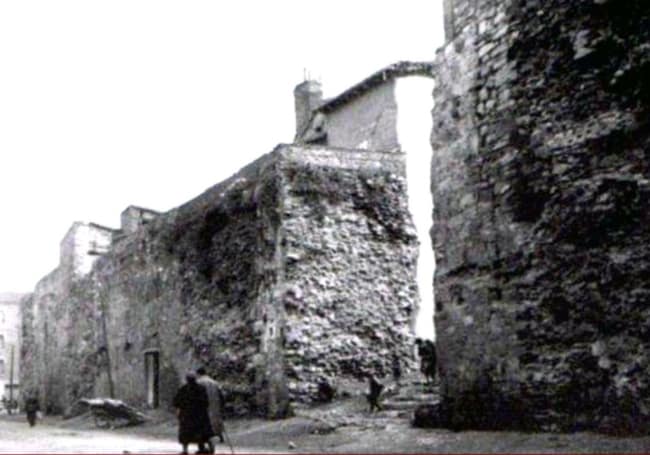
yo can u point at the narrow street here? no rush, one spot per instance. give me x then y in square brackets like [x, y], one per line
[339, 428]
[17, 436]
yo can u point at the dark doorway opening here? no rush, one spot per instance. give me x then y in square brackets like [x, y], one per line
[152, 377]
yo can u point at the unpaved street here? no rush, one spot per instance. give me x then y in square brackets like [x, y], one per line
[361, 434]
[16, 436]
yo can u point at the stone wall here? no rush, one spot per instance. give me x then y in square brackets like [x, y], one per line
[42, 337]
[28, 351]
[81, 245]
[48, 315]
[350, 294]
[232, 279]
[133, 217]
[541, 193]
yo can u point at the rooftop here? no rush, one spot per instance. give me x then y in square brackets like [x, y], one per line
[399, 69]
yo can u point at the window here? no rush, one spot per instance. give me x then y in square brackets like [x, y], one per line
[2, 341]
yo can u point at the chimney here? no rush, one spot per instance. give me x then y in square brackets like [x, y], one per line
[308, 96]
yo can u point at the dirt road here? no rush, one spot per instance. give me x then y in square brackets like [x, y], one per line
[17, 436]
[312, 432]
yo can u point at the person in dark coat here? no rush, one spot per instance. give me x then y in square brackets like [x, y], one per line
[428, 359]
[397, 369]
[375, 388]
[191, 403]
[215, 402]
[31, 409]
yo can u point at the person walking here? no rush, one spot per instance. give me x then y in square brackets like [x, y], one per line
[215, 402]
[397, 370]
[374, 393]
[191, 403]
[31, 409]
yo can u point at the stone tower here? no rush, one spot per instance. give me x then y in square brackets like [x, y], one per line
[541, 221]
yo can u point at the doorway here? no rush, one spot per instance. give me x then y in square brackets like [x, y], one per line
[152, 377]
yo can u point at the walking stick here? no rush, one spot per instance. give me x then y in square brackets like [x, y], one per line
[227, 438]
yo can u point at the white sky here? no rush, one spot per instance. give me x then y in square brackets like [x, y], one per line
[104, 104]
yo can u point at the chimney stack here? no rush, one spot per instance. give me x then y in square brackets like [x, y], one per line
[308, 96]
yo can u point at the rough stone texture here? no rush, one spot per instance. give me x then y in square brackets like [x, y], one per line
[350, 295]
[540, 223]
[133, 217]
[232, 280]
[48, 316]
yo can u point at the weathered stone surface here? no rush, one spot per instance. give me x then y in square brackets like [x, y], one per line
[297, 270]
[541, 123]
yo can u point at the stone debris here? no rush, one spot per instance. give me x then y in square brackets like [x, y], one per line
[112, 413]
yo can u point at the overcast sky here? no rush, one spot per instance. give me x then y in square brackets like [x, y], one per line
[112, 103]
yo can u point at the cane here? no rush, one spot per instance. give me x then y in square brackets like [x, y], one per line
[227, 438]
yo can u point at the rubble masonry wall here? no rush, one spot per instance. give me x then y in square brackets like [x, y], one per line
[540, 182]
[235, 279]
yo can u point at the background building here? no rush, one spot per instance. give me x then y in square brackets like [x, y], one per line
[10, 320]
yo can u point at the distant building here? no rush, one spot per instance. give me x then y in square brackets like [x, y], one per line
[368, 114]
[10, 320]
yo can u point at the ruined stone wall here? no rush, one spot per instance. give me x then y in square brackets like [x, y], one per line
[350, 294]
[133, 217]
[368, 121]
[42, 327]
[27, 345]
[50, 314]
[540, 189]
[213, 283]
[81, 246]
[190, 284]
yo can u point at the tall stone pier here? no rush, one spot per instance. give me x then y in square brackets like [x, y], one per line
[541, 222]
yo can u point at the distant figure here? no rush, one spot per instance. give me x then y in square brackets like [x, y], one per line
[374, 393]
[397, 369]
[191, 403]
[31, 409]
[428, 359]
[215, 403]
[326, 391]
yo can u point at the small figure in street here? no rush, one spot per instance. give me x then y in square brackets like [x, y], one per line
[215, 403]
[191, 403]
[31, 409]
[375, 388]
[397, 369]
[428, 359]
